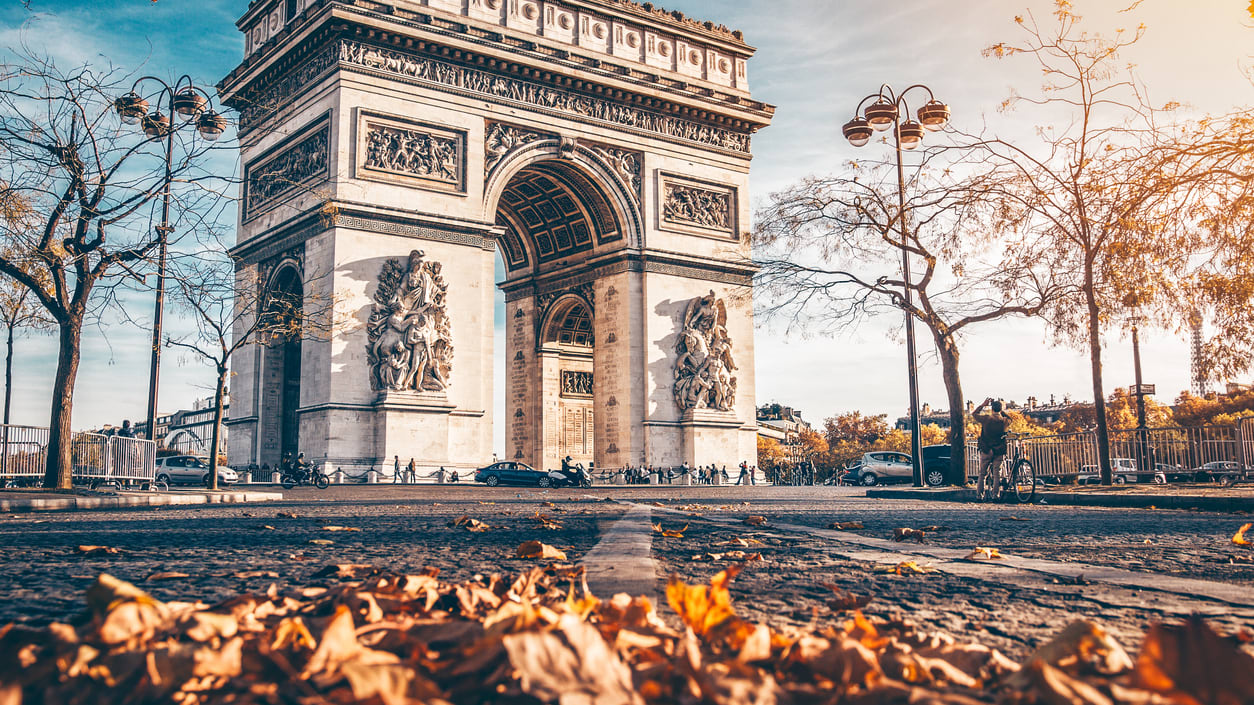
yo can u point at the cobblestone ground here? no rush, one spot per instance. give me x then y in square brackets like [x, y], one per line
[43, 577]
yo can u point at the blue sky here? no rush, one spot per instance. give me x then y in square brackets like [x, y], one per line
[816, 59]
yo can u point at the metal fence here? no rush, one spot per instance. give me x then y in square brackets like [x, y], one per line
[94, 457]
[1166, 450]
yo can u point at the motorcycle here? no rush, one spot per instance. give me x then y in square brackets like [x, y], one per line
[574, 477]
[304, 475]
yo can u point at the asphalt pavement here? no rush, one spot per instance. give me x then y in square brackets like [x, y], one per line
[217, 551]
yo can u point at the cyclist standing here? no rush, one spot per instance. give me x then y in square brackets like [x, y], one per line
[992, 445]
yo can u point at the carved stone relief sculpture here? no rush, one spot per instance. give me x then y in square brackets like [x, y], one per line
[626, 164]
[410, 345]
[299, 164]
[697, 206]
[576, 383]
[411, 152]
[502, 139]
[703, 364]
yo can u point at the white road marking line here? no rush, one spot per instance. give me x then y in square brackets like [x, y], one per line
[622, 561]
[952, 560]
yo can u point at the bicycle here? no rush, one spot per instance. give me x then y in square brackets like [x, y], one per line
[1015, 476]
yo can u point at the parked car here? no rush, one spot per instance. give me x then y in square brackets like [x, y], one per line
[936, 464]
[509, 472]
[191, 470]
[1125, 471]
[880, 467]
[1171, 473]
[1217, 469]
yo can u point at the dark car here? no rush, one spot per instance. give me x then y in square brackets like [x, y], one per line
[509, 472]
[936, 464]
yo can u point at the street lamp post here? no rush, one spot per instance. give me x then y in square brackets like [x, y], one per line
[880, 115]
[192, 103]
[1142, 445]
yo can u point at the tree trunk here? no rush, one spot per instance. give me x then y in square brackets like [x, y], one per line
[1099, 397]
[8, 398]
[217, 428]
[57, 473]
[957, 474]
[8, 377]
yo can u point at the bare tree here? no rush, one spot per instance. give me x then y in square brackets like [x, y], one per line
[18, 310]
[829, 255]
[91, 187]
[231, 311]
[1085, 197]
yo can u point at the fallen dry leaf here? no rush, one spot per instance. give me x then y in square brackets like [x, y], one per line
[755, 520]
[97, 550]
[670, 533]
[1013, 518]
[729, 556]
[982, 552]
[845, 600]
[1191, 663]
[288, 515]
[934, 529]
[465, 522]
[906, 568]
[846, 525]
[340, 528]
[268, 527]
[547, 522]
[537, 549]
[1239, 537]
[908, 534]
[741, 542]
[321, 542]
[166, 575]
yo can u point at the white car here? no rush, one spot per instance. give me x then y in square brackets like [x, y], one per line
[1124, 471]
[880, 467]
[191, 470]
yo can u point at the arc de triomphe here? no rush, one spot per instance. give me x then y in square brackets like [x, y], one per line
[392, 149]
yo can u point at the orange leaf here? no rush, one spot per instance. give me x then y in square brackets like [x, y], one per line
[536, 549]
[1190, 663]
[1239, 537]
[755, 520]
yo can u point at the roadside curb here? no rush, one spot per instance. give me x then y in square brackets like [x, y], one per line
[125, 501]
[1138, 501]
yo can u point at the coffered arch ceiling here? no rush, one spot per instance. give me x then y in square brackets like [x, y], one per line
[551, 211]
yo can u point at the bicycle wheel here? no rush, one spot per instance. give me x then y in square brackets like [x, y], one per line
[1023, 480]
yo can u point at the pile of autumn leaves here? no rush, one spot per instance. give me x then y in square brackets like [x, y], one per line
[371, 636]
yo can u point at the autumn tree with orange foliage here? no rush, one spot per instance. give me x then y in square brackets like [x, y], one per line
[1092, 200]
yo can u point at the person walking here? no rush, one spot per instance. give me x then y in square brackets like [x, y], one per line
[396, 469]
[992, 447]
[411, 472]
[439, 475]
[753, 474]
[744, 466]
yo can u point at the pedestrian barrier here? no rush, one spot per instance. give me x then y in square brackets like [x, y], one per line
[1171, 452]
[95, 458]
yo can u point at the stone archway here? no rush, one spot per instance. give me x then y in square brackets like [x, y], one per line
[281, 373]
[601, 147]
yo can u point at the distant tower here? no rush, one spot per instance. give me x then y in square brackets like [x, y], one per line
[1197, 371]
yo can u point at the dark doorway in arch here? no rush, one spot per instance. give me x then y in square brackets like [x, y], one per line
[280, 401]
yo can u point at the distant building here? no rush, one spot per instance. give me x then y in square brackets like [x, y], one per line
[779, 422]
[1039, 413]
[188, 431]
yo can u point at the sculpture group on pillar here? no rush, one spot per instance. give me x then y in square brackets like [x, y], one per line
[410, 348]
[704, 366]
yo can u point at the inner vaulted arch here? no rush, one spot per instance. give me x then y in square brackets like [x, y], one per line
[553, 216]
